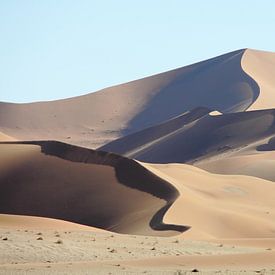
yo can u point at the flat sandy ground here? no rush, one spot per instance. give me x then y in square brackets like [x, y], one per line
[82, 251]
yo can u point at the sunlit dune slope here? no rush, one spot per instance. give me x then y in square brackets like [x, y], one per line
[218, 206]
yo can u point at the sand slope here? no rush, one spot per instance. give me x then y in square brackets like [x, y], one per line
[260, 65]
[197, 137]
[218, 206]
[57, 180]
[219, 84]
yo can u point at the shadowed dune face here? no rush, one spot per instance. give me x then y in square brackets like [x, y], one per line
[218, 84]
[56, 180]
[132, 144]
[198, 140]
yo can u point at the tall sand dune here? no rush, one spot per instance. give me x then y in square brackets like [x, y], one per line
[227, 83]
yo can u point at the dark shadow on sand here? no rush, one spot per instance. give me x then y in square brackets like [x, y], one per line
[128, 172]
[192, 89]
[269, 146]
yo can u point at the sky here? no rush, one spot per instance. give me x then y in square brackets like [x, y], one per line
[58, 49]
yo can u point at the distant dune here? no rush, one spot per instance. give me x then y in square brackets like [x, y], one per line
[196, 137]
[228, 83]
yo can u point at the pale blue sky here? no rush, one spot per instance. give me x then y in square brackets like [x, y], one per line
[51, 49]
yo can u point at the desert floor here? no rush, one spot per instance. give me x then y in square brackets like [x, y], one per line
[30, 250]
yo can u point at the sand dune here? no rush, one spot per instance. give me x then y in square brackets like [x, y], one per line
[197, 137]
[135, 144]
[50, 179]
[60, 181]
[219, 84]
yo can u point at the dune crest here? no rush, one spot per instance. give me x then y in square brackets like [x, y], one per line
[260, 66]
[61, 181]
[219, 84]
[197, 137]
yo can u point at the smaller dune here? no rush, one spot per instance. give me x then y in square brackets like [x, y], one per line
[61, 181]
[132, 145]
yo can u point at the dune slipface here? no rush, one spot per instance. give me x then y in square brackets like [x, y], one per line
[198, 140]
[4, 137]
[219, 84]
[57, 180]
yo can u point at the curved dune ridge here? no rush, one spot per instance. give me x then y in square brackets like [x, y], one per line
[219, 206]
[219, 84]
[61, 181]
[260, 66]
